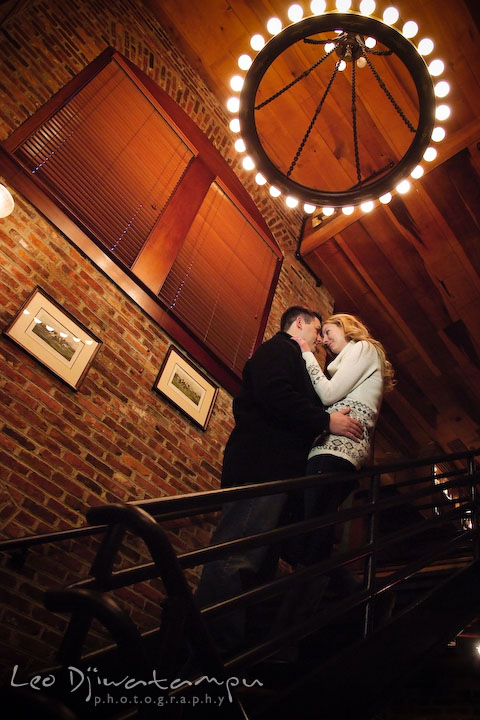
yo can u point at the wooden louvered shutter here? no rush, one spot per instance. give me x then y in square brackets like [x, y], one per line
[219, 283]
[111, 158]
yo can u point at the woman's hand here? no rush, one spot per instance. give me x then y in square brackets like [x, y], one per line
[304, 346]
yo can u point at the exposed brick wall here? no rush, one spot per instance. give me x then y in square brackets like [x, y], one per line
[115, 439]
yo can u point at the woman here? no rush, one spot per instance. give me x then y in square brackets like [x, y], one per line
[360, 374]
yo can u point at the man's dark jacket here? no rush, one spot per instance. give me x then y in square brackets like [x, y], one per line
[277, 416]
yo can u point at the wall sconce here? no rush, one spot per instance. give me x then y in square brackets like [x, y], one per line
[6, 202]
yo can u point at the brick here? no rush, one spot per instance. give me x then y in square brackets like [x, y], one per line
[76, 462]
[30, 489]
[100, 466]
[12, 463]
[7, 443]
[132, 463]
[30, 417]
[40, 511]
[13, 417]
[48, 486]
[54, 419]
[34, 462]
[23, 396]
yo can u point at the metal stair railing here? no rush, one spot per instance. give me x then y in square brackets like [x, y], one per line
[87, 599]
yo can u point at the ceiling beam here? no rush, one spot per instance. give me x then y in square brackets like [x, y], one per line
[316, 233]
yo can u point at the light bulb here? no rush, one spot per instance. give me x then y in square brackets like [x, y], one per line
[370, 42]
[367, 7]
[367, 207]
[410, 29]
[291, 201]
[259, 179]
[343, 5]
[6, 202]
[442, 112]
[403, 187]
[240, 145]
[438, 134]
[361, 62]
[348, 209]
[274, 25]
[417, 172]
[425, 46]
[235, 125]
[244, 62]
[390, 15]
[248, 163]
[327, 211]
[295, 13]
[274, 191]
[233, 104]
[385, 199]
[309, 209]
[236, 83]
[329, 47]
[342, 65]
[429, 154]
[257, 42]
[441, 89]
[436, 67]
[318, 6]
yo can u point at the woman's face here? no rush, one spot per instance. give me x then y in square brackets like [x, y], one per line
[333, 338]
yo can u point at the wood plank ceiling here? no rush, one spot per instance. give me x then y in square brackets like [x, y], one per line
[409, 269]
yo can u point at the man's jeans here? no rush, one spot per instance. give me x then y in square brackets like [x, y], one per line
[235, 573]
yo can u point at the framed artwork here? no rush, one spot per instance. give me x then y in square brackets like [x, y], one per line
[54, 337]
[186, 387]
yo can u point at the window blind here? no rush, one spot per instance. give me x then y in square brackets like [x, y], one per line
[219, 283]
[111, 158]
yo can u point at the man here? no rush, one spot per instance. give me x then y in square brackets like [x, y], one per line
[277, 417]
[277, 412]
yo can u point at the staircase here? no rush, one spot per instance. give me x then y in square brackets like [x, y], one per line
[391, 603]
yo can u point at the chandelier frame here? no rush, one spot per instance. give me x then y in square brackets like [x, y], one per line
[362, 25]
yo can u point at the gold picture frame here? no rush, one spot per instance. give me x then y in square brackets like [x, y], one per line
[187, 387]
[56, 339]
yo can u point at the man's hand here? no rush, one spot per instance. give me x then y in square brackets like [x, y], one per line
[340, 424]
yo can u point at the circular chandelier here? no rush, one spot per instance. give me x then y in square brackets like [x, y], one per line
[359, 139]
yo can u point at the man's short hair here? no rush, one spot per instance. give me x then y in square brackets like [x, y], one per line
[293, 312]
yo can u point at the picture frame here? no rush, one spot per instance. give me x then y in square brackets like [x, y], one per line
[54, 337]
[186, 387]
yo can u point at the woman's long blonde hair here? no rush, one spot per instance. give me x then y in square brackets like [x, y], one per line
[356, 330]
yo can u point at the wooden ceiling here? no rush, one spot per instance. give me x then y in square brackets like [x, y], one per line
[409, 269]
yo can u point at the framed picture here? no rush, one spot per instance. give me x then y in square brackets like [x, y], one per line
[54, 338]
[186, 387]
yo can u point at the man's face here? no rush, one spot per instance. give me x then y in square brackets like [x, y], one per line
[312, 333]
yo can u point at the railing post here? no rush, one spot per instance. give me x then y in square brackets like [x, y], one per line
[371, 566]
[472, 475]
